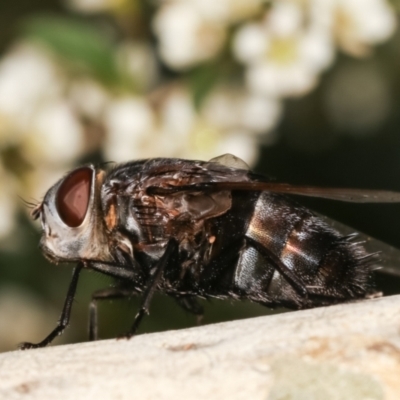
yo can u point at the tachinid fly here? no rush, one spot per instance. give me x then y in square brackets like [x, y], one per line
[200, 229]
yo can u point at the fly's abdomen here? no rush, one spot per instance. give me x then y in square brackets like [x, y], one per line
[330, 265]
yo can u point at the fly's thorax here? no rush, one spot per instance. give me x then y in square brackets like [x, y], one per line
[71, 218]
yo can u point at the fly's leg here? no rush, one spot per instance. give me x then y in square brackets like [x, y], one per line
[292, 278]
[104, 294]
[190, 304]
[171, 249]
[65, 314]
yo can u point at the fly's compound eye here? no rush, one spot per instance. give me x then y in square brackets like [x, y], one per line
[73, 197]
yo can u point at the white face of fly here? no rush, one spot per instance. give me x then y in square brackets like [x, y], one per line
[71, 218]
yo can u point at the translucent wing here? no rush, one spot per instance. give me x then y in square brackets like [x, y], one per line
[260, 183]
[389, 256]
[194, 188]
[340, 194]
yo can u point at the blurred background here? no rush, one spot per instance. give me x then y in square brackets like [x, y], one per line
[305, 91]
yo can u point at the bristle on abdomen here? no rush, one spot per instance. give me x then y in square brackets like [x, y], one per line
[347, 268]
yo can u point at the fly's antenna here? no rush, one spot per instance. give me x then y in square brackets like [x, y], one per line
[29, 204]
[35, 206]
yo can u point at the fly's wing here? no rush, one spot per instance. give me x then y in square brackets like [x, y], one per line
[227, 173]
[170, 172]
[389, 256]
[180, 205]
[244, 180]
[192, 190]
[339, 194]
[194, 205]
[202, 189]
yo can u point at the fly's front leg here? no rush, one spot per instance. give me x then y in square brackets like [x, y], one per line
[154, 280]
[65, 314]
[104, 294]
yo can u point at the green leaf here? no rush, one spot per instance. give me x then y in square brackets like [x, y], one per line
[81, 44]
[201, 81]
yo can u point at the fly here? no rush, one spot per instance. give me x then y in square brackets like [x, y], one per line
[194, 229]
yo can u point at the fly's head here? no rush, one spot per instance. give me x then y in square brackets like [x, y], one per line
[71, 218]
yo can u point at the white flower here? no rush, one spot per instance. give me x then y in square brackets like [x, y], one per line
[240, 119]
[218, 128]
[172, 127]
[128, 122]
[221, 126]
[135, 129]
[289, 81]
[234, 108]
[260, 114]
[88, 98]
[94, 6]
[241, 144]
[137, 61]
[284, 56]
[56, 136]
[177, 116]
[220, 107]
[285, 18]
[186, 37]
[28, 77]
[361, 23]
[250, 43]
[227, 11]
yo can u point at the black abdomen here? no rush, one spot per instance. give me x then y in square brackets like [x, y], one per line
[330, 265]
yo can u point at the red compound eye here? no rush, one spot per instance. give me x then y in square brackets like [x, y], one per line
[73, 197]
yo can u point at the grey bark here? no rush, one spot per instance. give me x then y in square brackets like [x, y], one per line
[349, 351]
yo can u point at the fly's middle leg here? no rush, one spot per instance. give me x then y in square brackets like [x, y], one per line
[104, 294]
